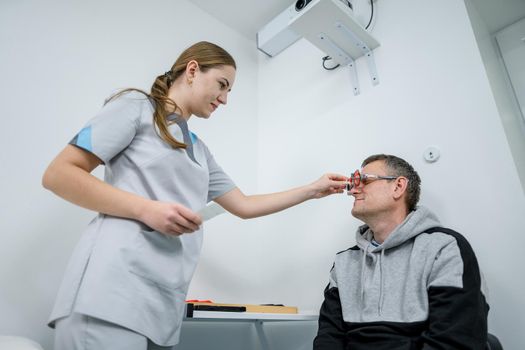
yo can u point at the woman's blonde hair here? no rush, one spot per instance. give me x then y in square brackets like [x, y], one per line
[207, 55]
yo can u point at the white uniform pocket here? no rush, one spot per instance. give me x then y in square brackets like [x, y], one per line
[157, 257]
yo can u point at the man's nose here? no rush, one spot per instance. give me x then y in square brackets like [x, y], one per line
[354, 190]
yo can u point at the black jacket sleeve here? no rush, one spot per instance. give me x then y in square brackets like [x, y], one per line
[331, 333]
[458, 316]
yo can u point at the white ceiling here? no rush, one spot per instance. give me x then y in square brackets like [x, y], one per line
[245, 16]
[248, 16]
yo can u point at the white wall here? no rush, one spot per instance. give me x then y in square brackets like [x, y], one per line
[59, 60]
[433, 91]
[508, 107]
[288, 122]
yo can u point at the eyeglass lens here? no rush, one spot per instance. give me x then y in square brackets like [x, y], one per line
[354, 180]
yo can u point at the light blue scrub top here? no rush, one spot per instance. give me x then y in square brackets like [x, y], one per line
[122, 271]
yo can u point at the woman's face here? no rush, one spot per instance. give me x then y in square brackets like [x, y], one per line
[210, 89]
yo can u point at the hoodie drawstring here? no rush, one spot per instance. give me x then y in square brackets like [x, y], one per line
[381, 282]
[363, 266]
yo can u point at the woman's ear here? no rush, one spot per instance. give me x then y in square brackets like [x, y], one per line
[191, 69]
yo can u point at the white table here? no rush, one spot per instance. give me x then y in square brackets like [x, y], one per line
[258, 319]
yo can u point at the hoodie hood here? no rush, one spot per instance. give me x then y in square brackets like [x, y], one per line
[414, 224]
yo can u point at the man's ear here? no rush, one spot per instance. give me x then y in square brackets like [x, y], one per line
[401, 184]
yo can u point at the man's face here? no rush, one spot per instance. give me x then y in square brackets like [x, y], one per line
[373, 197]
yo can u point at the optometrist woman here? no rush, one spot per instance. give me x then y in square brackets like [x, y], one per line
[126, 283]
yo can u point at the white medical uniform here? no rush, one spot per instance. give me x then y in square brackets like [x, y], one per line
[121, 270]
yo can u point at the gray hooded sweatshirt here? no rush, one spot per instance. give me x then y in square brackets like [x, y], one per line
[419, 289]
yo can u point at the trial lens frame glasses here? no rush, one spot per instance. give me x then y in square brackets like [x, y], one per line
[355, 179]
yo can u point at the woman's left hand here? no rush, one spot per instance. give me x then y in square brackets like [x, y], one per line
[328, 184]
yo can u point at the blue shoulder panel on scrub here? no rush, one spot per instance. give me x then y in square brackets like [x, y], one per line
[193, 137]
[113, 128]
[83, 139]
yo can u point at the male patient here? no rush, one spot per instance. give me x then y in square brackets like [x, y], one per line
[408, 283]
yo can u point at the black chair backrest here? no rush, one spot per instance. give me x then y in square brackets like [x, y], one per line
[493, 343]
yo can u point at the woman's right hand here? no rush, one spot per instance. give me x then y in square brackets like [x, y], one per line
[170, 218]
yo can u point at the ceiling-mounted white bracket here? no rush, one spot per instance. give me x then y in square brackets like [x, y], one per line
[337, 53]
[331, 26]
[363, 47]
[372, 67]
[353, 78]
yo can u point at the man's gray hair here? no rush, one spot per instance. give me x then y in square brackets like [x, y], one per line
[400, 167]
